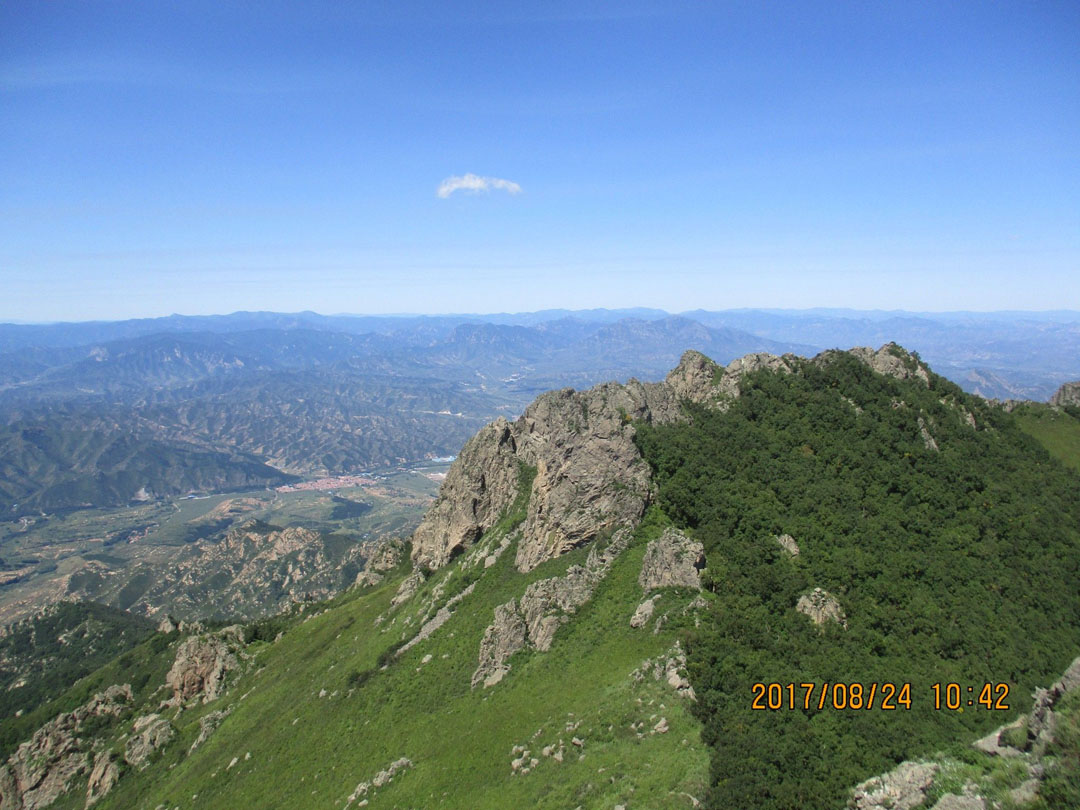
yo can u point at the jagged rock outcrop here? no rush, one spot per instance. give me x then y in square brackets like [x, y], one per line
[441, 617]
[1040, 723]
[385, 556]
[821, 607]
[1068, 394]
[672, 560]
[728, 383]
[903, 788]
[546, 604]
[202, 663]
[208, 724]
[669, 667]
[589, 477]
[787, 542]
[893, 361]
[928, 439]
[44, 767]
[644, 612]
[410, 585]
[256, 568]
[367, 578]
[149, 733]
[103, 777]
[480, 485]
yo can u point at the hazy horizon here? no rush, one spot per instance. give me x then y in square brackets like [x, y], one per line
[1044, 314]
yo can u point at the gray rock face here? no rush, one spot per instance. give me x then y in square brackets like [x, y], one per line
[728, 384]
[644, 612]
[208, 724]
[504, 637]
[1068, 394]
[928, 439]
[821, 607]
[901, 789]
[102, 778]
[1041, 720]
[382, 778]
[995, 744]
[409, 586]
[480, 485]
[953, 801]
[787, 542]
[546, 605]
[672, 560]
[202, 663]
[43, 768]
[590, 479]
[893, 361]
[367, 578]
[149, 733]
[386, 556]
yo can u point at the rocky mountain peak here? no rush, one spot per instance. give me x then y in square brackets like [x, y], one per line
[1068, 394]
[575, 452]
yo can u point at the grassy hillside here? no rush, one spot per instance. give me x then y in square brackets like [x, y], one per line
[1056, 430]
[318, 713]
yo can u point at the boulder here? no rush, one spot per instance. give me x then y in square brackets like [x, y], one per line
[644, 612]
[149, 733]
[787, 542]
[102, 778]
[821, 607]
[201, 664]
[672, 560]
[902, 788]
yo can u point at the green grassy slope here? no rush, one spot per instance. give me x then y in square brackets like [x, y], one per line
[312, 751]
[1056, 430]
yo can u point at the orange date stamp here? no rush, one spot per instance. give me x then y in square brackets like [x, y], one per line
[806, 696]
[869, 696]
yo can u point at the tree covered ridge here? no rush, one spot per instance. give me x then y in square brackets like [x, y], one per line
[956, 564]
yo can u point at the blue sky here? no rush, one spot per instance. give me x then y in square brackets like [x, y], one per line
[203, 157]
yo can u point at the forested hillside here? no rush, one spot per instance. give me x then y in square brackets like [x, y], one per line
[949, 539]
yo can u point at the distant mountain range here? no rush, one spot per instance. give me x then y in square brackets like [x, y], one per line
[99, 413]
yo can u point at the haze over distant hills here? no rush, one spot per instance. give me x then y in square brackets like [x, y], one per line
[99, 413]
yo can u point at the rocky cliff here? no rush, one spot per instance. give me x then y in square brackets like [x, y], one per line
[590, 479]
[1068, 394]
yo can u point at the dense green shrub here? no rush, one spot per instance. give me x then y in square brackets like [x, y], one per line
[953, 565]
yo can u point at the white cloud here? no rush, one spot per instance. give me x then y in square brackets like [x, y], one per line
[474, 184]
